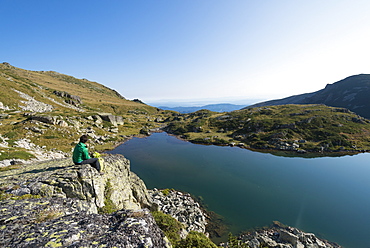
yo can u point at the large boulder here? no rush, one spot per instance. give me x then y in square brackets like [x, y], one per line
[60, 222]
[45, 119]
[118, 186]
[113, 119]
[68, 200]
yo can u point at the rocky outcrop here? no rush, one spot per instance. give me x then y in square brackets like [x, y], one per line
[63, 179]
[45, 119]
[182, 207]
[60, 222]
[281, 236]
[70, 99]
[113, 119]
[66, 214]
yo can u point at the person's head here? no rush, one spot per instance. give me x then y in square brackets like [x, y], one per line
[84, 138]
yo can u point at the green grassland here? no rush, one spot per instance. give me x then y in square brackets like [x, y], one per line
[95, 98]
[40, 85]
[286, 127]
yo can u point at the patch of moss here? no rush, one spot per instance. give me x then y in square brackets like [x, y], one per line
[12, 153]
[10, 167]
[6, 196]
[195, 240]
[166, 191]
[11, 135]
[109, 206]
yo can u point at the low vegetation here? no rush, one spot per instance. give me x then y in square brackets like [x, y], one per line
[109, 207]
[299, 128]
[172, 229]
[17, 86]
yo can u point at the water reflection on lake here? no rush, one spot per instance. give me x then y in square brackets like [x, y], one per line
[328, 196]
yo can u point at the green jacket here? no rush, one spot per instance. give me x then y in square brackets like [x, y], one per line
[80, 153]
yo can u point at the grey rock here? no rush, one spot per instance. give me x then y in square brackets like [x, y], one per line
[45, 119]
[182, 207]
[71, 99]
[97, 119]
[53, 222]
[282, 236]
[60, 178]
[32, 104]
[62, 123]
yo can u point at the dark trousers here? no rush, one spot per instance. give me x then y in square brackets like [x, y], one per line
[94, 162]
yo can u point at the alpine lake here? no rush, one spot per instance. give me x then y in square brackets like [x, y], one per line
[327, 196]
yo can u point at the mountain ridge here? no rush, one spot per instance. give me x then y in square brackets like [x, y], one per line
[351, 92]
[220, 107]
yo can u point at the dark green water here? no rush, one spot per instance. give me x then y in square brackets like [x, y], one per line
[328, 196]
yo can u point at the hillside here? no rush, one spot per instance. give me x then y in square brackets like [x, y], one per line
[299, 128]
[42, 84]
[42, 114]
[351, 93]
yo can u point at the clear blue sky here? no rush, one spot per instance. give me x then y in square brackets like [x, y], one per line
[191, 49]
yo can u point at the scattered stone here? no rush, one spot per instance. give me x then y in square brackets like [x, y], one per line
[33, 105]
[182, 207]
[279, 235]
[40, 153]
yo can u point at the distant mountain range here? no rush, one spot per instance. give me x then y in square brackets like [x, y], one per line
[352, 93]
[222, 107]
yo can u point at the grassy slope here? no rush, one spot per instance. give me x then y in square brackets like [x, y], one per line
[268, 127]
[95, 97]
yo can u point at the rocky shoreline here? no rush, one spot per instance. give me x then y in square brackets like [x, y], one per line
[182, 207]
[279, 235]
[67, 214]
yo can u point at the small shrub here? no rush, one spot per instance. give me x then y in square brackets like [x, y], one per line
[51, 137]
[169, 225]
[233, 242]
[11, 135]
[109, 206]
[166, 191]
[195, 240]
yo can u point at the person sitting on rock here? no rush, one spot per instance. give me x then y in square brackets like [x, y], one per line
[81, 154]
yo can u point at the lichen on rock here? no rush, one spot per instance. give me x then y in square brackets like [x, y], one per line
[67, 214]
[60, 222]
[60, 178]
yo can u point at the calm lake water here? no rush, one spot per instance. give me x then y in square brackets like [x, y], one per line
[328, 196]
